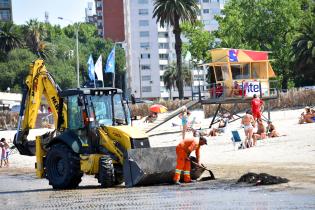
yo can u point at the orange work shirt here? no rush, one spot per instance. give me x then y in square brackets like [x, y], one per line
[189, 145]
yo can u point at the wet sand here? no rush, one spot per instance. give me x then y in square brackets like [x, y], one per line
[21, 190]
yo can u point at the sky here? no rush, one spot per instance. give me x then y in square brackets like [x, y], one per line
[70, 10]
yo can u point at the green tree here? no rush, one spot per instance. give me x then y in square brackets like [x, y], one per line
[57, 46]
[52, 32]
[86, 31]
[172, 12]
[14, 71]
[303, 53]
[268, 25]
[10, 37]
[169, 78]
[200, 41]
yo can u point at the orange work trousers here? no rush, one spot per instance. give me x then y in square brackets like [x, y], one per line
[183, 164]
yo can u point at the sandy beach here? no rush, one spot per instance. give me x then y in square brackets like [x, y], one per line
[291, 156]
[294, 152]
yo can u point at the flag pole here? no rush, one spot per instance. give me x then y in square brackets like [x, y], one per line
[114, 66]
[113, 79]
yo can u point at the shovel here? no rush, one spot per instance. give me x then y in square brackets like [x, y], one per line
[211, 177]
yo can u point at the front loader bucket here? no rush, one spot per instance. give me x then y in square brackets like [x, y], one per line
[149, 166]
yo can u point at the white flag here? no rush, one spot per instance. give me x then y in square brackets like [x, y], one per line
[98, 68]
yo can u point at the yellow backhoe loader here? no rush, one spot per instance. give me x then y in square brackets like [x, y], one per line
[92, 136]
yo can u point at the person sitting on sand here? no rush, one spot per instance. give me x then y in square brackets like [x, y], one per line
[222, 125]
[151, 118]
[307, 117]
[271, 130]
[261, 131]
[247, 122]
[313, 113]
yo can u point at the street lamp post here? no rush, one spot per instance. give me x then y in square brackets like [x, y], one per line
[199, 91]
[77, 48]
[77, 44]
[140, 80]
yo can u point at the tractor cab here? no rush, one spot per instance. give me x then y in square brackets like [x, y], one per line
[95, 107]
[239, 73]
[88, 109]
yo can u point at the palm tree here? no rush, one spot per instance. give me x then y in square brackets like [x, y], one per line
[9, 37]
[170, 77]
[303, 53]
[34, 36]
[171, 13]
[187, 76]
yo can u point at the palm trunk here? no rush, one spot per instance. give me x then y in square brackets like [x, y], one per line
[284, 84]
[170, 97]
[178, 49]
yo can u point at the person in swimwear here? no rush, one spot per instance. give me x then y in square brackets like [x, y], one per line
[261, 131]
[184, 117]
[247, 122]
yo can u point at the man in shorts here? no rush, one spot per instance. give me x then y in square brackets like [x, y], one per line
[256, 104]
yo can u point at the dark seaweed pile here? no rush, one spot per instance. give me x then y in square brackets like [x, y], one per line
[262, 179]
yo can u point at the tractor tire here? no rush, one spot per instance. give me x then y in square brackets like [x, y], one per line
[106, 175]
[119, 177]
[63, 167]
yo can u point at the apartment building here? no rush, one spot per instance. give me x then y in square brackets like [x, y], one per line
[110, 19]
[149, 48]
[6, 10]
[90, 16]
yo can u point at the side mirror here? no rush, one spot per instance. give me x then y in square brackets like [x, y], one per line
[133, 99]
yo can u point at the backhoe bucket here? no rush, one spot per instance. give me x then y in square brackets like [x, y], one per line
[149, 166]
[24, 146]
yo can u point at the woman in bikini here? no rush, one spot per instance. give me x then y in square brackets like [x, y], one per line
[247, 122]
[184, 117]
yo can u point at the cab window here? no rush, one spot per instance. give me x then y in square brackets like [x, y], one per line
[74, 113]
[119, 108]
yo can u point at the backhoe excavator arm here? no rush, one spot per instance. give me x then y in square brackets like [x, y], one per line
[39, 82]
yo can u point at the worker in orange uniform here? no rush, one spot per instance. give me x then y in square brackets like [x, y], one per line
[183, 150]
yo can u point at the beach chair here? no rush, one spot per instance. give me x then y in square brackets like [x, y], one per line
[236, 138]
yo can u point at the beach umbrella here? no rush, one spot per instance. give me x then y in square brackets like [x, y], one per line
[158, 108]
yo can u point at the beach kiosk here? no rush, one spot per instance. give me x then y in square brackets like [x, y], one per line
[234, 76]
[239, 73]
